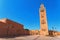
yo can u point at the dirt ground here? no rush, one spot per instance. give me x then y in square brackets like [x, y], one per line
[33, 37]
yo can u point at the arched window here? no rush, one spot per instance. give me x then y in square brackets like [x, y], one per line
[43, 22]
[43, 29]
[42, 10]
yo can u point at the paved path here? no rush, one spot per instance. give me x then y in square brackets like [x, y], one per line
[34, 37]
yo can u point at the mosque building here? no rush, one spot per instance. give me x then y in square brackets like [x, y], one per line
[10, 28]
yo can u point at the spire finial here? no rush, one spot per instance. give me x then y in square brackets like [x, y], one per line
[42, 7]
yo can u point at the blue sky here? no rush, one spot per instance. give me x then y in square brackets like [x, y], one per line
[26, 12]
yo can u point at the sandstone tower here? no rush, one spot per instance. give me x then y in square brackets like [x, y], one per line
[43, 21]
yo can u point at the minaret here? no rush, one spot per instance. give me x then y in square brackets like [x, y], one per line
[43, 21]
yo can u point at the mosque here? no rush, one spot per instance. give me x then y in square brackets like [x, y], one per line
[10, 28]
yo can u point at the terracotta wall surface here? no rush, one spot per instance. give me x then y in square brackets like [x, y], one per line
[15, 26]
[10, 28]
[58, 33]
[34, 32]
[54, 33]
[26, 32]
